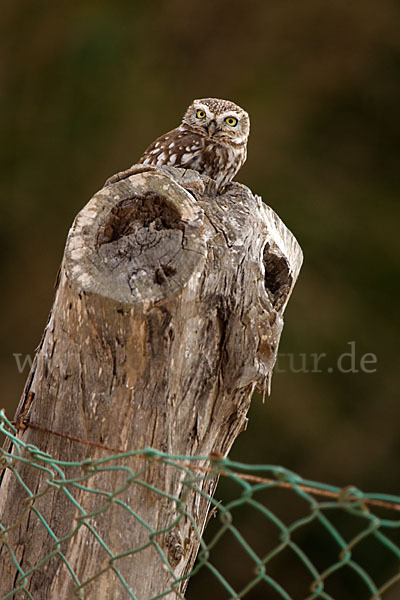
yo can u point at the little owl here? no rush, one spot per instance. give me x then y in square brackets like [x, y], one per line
[211, 139]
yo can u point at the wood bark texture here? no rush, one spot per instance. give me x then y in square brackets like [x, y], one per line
[167, 315]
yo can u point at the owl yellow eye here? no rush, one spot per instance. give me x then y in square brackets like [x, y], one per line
[200, 114]
[232, 121]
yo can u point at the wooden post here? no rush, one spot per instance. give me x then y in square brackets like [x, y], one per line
[168, 314]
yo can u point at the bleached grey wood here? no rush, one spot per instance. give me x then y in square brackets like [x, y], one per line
[168, 314]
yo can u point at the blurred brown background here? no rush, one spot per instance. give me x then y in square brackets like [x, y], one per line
[85, 87]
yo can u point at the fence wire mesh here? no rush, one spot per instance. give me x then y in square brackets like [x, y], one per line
[271, 533]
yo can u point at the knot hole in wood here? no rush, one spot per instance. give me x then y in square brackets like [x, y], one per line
[277, 277]
[144, 238]
[140, 215]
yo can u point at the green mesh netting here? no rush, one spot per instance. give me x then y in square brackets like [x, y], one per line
[271, 534]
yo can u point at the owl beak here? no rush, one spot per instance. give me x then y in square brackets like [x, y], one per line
[212, 126]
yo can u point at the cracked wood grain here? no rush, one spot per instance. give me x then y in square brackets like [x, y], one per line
[167, 316]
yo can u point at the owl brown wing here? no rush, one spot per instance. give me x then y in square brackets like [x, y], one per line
[179, 147]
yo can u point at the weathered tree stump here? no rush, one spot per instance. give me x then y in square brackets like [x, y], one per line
[168, 314]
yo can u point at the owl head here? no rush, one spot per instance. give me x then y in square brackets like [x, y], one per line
[221, 120]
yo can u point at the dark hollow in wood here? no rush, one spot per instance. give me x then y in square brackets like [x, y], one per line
[131, 214]
[277, 278]
[136, 227]
[168, 314]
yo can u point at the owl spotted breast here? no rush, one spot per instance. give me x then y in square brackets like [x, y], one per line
[212, 139]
